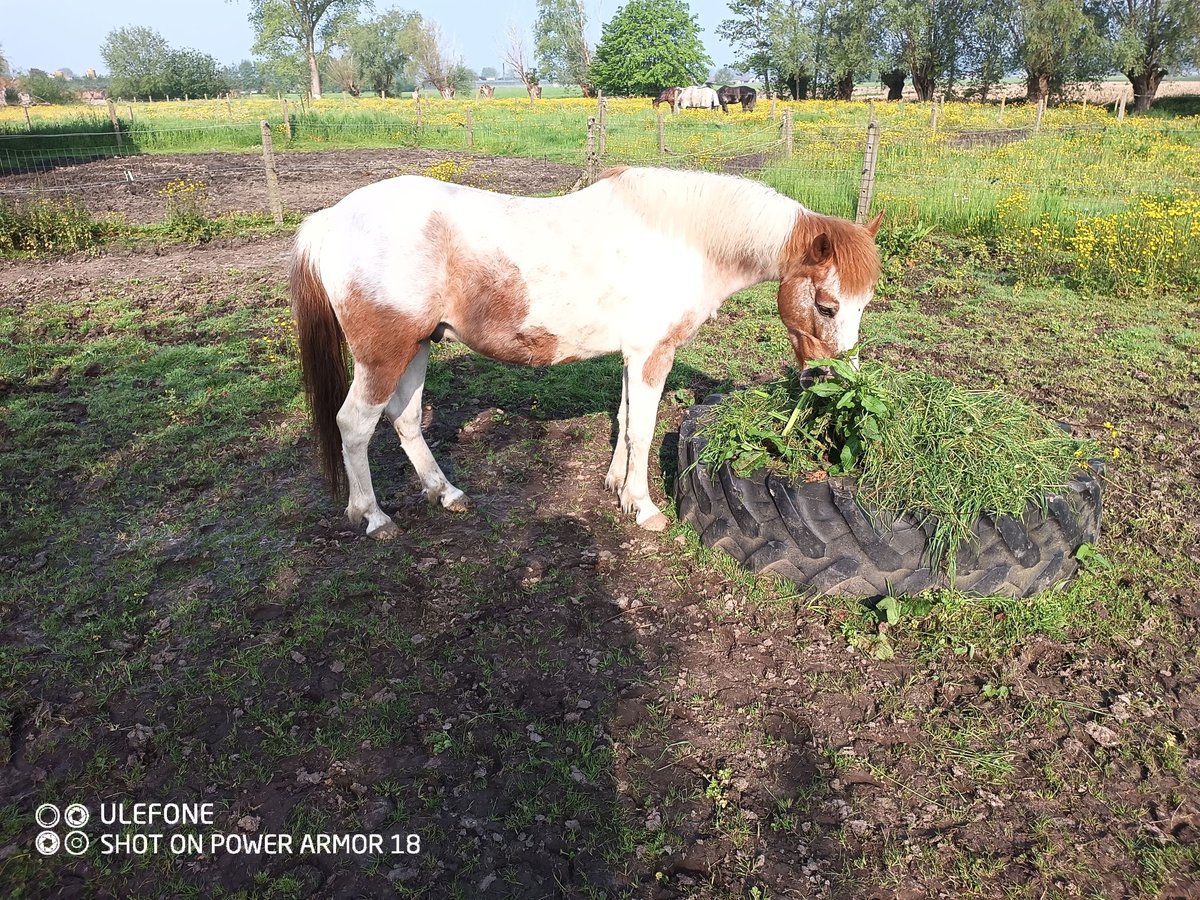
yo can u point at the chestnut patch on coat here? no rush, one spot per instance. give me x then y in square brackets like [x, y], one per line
[662, 357]
[383, 339]
[486, 301]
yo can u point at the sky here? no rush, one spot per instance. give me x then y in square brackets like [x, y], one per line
[71, 36]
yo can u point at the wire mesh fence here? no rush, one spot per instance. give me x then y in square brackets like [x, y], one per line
[938, 173]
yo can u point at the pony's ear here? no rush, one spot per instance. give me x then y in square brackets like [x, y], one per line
[873, 225]
[821, 250]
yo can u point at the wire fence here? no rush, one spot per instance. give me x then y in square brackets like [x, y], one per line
[963, 175]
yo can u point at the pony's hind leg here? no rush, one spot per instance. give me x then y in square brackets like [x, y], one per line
[357, 420]
[404, 412]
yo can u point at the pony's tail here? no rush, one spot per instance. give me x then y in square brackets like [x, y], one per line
[322, 354]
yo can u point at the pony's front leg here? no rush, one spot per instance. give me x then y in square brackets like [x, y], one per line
[644, 379]
[615, 479]
[404, 412]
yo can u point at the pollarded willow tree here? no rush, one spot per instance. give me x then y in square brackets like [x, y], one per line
[1150, 38]
[382, 48]
[284, 27]
[564, 53]
[647, 46]
[748, 29]
[1055, 42]
[928, 38]
[845, 32]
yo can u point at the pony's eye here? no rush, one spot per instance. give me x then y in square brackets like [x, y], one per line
[827, 311]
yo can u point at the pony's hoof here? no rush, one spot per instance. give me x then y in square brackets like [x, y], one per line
[388, 531]
[657, 522]
[458, 504]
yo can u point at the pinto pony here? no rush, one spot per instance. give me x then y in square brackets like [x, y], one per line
[698, 97]
[537, 281]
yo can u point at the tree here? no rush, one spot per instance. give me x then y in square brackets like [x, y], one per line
[283, 27]
[190, 73]
[1054, 42]
[44, 88]
[343, 71]
[845, 33]
[749, 30]
[647, 46]
[1151, 37]
[246, 76]
[516, 57]
[488, 73]
[791, 47]
[4, 70]
[136, 58]
[927, 39]
[383, 48]
[563, 52]
[439, 64]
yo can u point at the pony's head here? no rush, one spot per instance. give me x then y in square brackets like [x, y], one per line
[828, 270]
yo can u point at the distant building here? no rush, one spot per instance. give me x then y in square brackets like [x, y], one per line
[90, 73]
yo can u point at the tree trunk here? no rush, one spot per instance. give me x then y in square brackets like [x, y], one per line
[1145, 86]
[1037, 87]
[314, 72]
[845, 86]
[588, 90]
[798, 84]
[894, 81]
[923, 82]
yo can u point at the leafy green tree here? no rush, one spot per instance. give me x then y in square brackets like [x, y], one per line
[749, 30]
[560, 38]
[46, 89]
[928, 38]
[137, 59]
[246, 76]
[1054, 42]
[285, 27]
[792, 47]
[845, 33]
[647, 46]
[1150, 38]
[190, 73]
[488, 72]
[4, 70]
[382, 48]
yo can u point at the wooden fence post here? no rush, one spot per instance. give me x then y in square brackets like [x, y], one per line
[866, 185]
[592, 164]
[1121, 111]
[28, 121]
[1041, 111]
[470, 128]
[417, 98]
[933, 113]
[112, 117]
[272, 174]
[287, 118]
[787, 132]
[662, 136]
[130, 108]
[771, 115]
[228, 107]
[603, 142]
[1002, 101]
[1084, 103]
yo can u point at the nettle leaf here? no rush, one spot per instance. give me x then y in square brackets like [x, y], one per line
[873, 404]
[826, 389]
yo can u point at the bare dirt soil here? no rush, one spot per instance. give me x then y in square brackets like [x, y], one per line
[130, 185]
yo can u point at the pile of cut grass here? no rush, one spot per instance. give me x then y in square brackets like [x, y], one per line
[921, 445]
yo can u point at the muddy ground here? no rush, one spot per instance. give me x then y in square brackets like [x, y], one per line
[129, 185]
[557, 703]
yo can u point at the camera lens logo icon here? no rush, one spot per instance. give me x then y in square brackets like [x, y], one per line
[76, 815]
[76, 843]
[47, 843]
[46, 815]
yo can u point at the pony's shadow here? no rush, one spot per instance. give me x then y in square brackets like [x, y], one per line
[461, 388]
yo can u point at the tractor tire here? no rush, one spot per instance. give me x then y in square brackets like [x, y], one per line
[817, 534]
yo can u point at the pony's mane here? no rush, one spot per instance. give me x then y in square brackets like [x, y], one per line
[741, 223]
[854, 251]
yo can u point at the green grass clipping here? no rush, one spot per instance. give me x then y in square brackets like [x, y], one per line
[914, 442]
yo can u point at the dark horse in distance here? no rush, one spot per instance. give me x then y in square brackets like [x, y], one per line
[746, 96]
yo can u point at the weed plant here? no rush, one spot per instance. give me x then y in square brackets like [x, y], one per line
[41, 225]
[916, 444]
